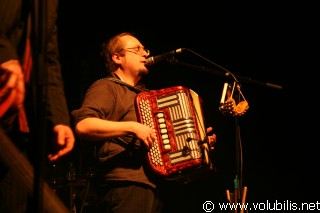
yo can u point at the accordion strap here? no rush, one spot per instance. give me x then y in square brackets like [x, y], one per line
[138, 88]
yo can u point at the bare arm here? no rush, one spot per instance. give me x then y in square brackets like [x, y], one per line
[95, 129]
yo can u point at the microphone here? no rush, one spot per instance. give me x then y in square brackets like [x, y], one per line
[155, 59]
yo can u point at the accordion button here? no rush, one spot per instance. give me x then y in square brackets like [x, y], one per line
[167, 147]
[163, 131]
[161, 120]
[165, 136]
[160, 115]
[162, 125]
[166, 141]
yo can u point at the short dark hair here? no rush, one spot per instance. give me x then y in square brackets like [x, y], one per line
[111, 46]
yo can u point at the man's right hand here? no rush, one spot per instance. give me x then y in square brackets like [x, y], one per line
[146, 134]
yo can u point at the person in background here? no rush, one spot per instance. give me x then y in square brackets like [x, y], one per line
[107, 119]
[30, 84]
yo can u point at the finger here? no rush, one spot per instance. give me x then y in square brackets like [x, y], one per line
[56, 156]
[20, 88]
[61, 152]
[209, 129]
[4, 77]
[212, 139]
[52, 157]
[9, 85]
[149, 142]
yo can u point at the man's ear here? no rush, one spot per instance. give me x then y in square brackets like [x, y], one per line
[116, 58]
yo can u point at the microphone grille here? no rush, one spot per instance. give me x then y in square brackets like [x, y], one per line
[150, 61]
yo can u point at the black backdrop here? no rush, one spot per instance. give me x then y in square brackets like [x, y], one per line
[269, 43]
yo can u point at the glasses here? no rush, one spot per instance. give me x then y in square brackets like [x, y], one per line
[139, 50]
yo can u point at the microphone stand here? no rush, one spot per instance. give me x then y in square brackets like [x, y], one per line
[39, 124]
[226, 74]
[239, 191]
[239, 194]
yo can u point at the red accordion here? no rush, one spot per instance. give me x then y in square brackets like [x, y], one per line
[175, 115]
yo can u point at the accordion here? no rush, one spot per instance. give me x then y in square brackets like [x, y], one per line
[175, 115]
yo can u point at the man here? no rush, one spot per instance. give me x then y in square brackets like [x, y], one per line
[33, 108]
[108, 120]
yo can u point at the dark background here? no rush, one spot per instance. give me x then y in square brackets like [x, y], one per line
[263, 42]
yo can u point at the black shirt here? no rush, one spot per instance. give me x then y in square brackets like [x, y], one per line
[122, 158]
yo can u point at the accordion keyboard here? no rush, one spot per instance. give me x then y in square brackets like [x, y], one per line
[183, 126]
[147, 120]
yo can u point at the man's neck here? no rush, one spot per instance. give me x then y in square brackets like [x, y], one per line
[126, 78]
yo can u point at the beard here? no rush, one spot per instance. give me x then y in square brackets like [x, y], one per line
[143, 72]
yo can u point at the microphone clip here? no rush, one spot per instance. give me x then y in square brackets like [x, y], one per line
[228, 106]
